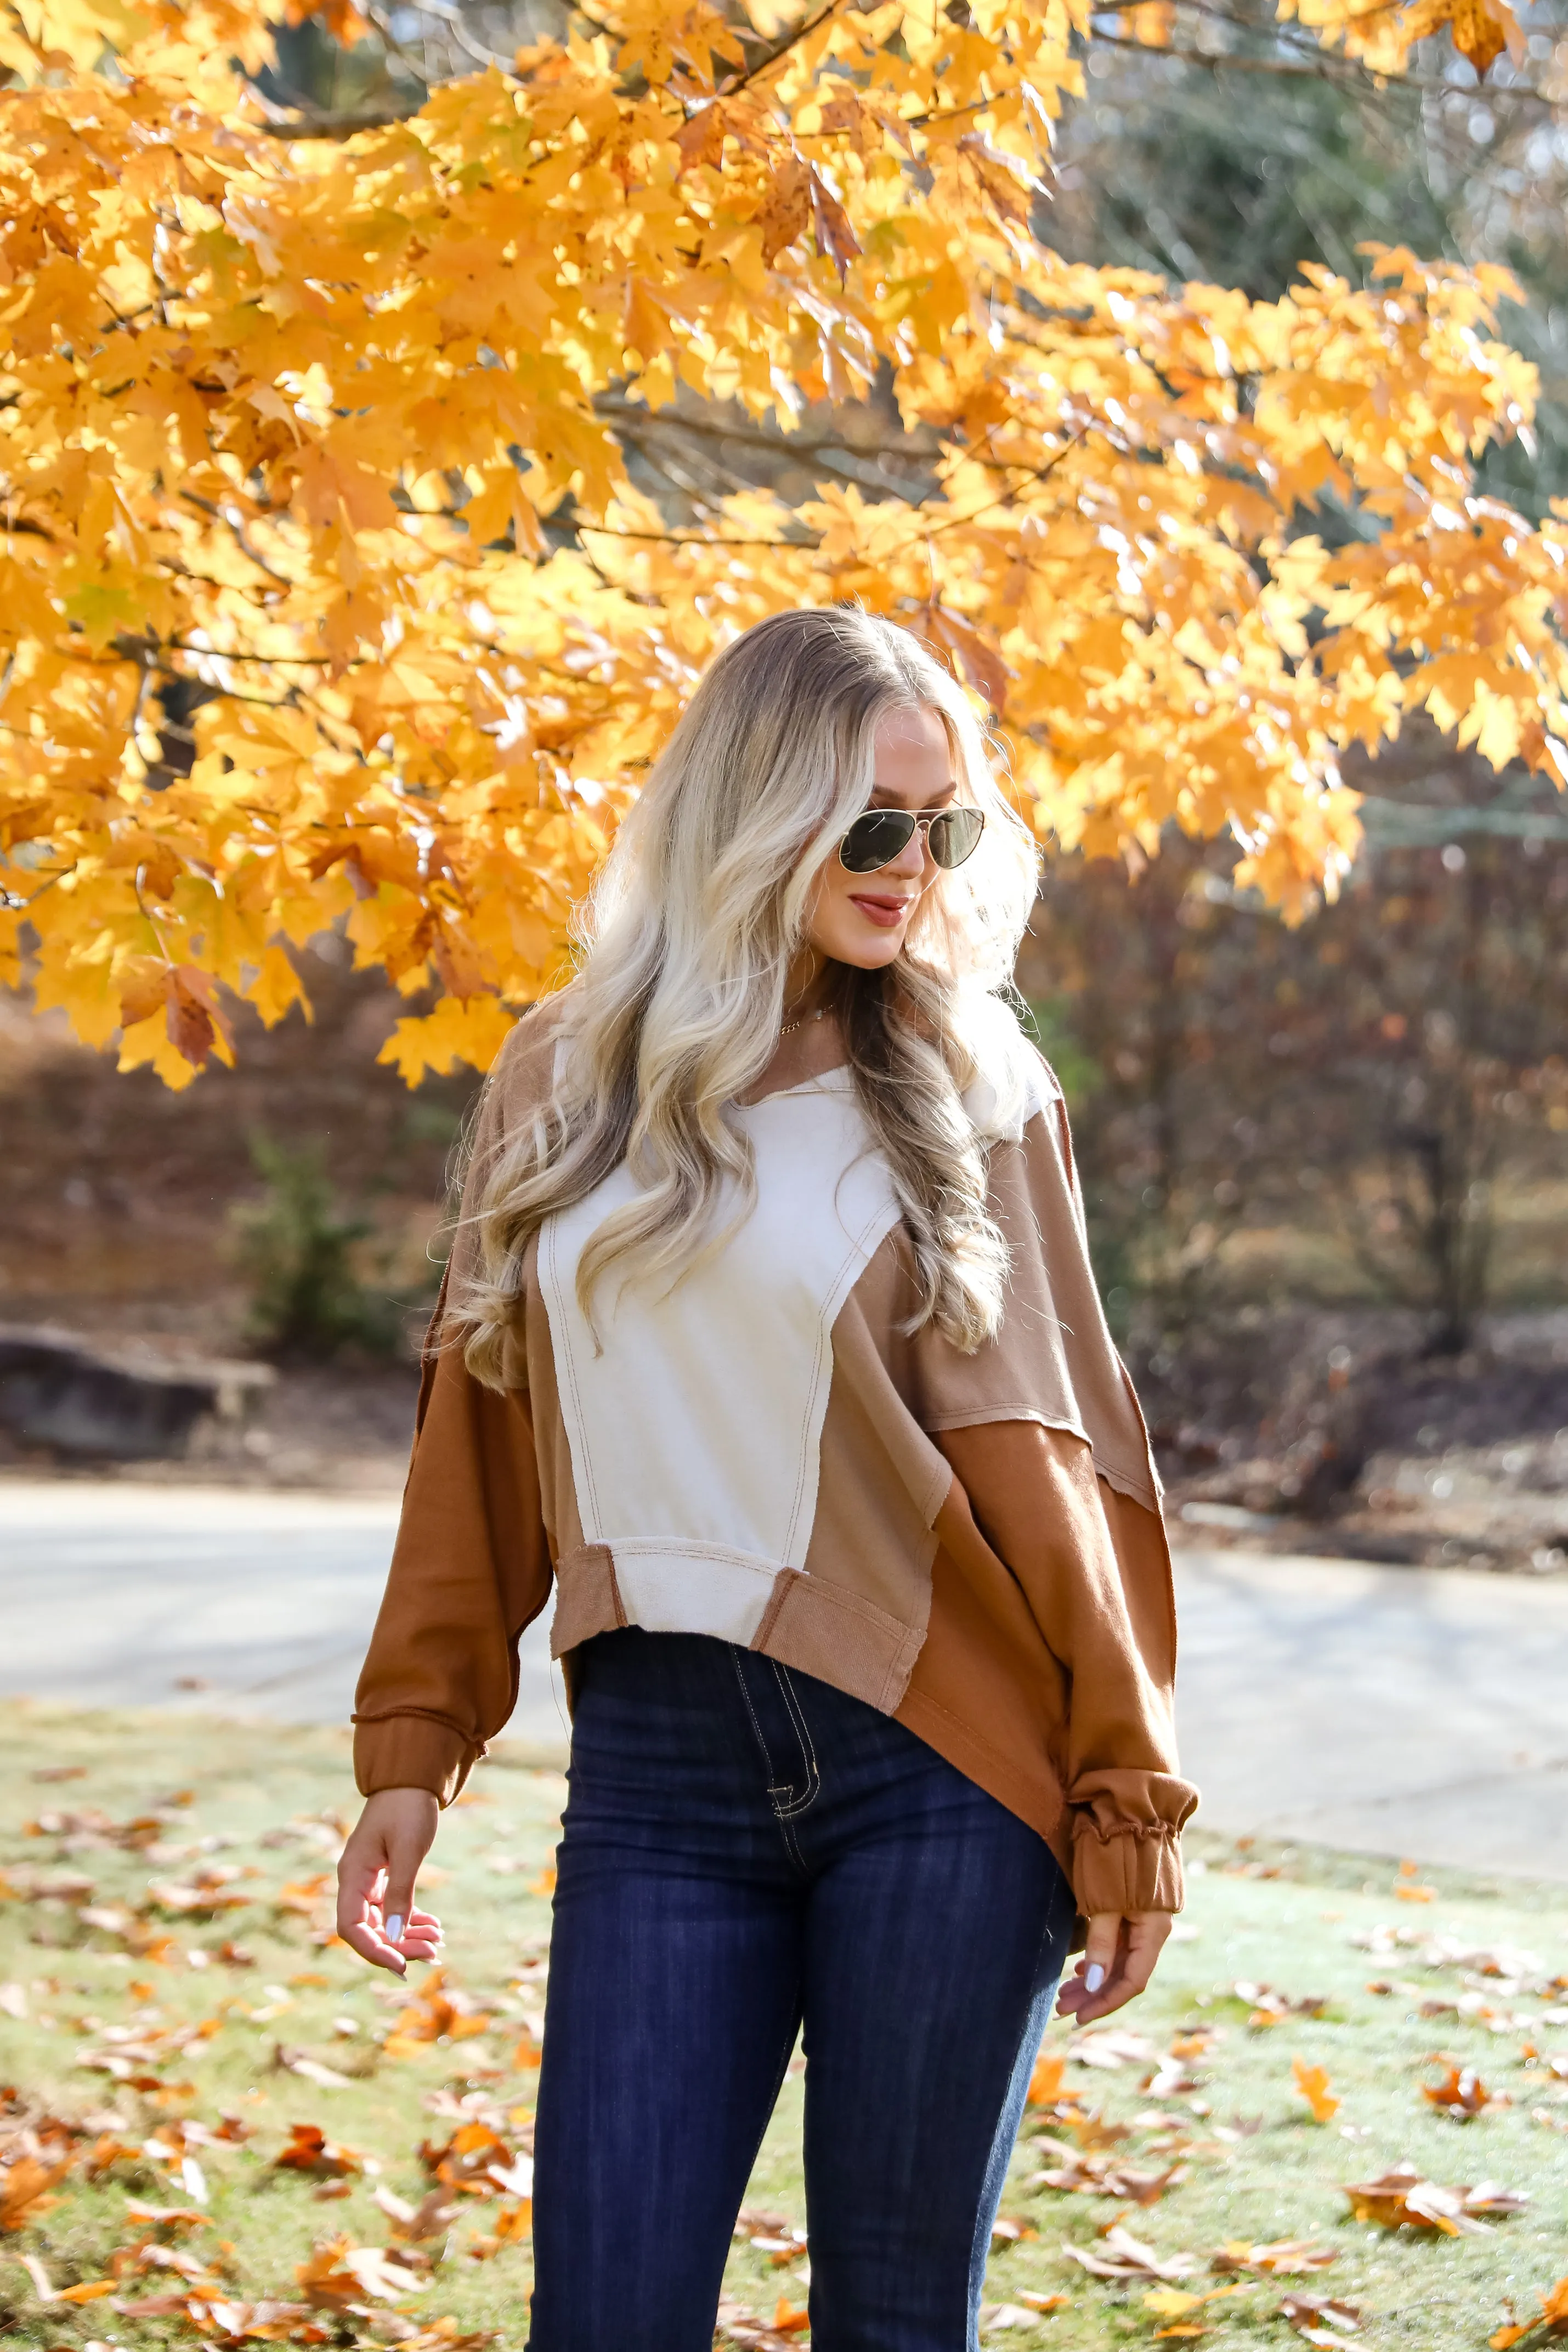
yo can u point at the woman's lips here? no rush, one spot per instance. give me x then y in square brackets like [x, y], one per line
[887, 912]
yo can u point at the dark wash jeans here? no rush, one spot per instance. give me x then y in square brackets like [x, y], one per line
[745, 1850]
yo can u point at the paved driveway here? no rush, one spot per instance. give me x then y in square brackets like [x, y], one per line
[1382, 1710]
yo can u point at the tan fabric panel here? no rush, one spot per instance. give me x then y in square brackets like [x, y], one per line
[1053, 1360]
[825, 1630]
[881, 1482]
[586, 1599]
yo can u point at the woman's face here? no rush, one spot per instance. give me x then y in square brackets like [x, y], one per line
[862, 918]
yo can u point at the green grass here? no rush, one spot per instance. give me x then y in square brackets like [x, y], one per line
[1257, 2167]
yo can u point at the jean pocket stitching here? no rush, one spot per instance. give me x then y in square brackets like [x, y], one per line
[803, 1733]
[775, 1789]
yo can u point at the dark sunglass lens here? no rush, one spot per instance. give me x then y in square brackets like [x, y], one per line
[955, 836]
[875, 840]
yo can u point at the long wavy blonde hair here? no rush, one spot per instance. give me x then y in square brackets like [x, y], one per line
[685, 948]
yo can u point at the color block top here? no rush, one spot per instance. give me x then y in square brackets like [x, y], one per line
[970, 1542]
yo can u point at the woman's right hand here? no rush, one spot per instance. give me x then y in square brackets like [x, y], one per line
[376, 1913]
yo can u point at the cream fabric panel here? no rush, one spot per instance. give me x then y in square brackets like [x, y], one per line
[695, 1430]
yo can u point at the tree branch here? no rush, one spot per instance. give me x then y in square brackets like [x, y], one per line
[1338, 70]
[775, 50]
[325, 124]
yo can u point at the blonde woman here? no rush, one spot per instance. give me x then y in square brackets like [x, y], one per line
[770, 1342]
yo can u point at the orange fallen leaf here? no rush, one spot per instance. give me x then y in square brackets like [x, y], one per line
[429, 2219]
[1045, 2082]
[302, 1895]
[1400, 2199]
[1553, 2322]
[1313, 2083]
[1278, 2258]
[1460, 2094]
[790, 2318]
[544, 1883]
[24, 2190]
[1127, 2257]
[437, 2015]
[339, 2274]
[167, 2217]
[309, 2151]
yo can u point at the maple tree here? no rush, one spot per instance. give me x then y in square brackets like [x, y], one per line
[330, 589]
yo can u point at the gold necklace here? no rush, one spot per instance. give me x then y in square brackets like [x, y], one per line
[800, 1021]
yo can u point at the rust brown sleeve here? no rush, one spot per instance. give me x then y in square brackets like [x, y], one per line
[1094, 1569]
[471, 1566]
[470, 1570]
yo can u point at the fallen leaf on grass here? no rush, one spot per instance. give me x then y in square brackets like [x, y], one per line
[1461, 2094]
[1127, 2257]
[309, 2151]
[14, 2001]
[1313, 2083]
[1045, 2082]
[1091, 2131]
[25, 2189]
[790, 2318]
[338, 2274]
[437, 2015]
[1318, 2316]
[413, 2223]
[42, 2287]
[1553, 2322]
[1172, 2079]
[1196, 2044]
[439, 2335]
[1280, 2258]
[773, 2234]
[106, 2152]
[737, 2325]
[309, 2069]
[1182, 2308]
[1269, 2008]
[1111, 2048]
[167, 2217]
[209, 1893]
[1087, 2174]
[302, 1896]
[511, 2225]
[479, 2162]
[1400, 2199]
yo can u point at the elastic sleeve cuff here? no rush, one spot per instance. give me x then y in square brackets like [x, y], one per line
[1126, 1839]
[412, 1751]
[1127, 1870]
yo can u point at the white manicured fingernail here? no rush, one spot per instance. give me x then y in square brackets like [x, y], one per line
[1095, 1977]
[394, 1928]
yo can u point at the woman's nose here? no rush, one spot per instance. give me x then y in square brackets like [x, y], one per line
[912, 857]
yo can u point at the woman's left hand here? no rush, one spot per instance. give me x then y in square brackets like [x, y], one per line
[1115, 1964]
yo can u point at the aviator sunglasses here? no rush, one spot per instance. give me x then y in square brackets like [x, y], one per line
[879, 836]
